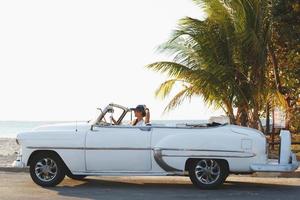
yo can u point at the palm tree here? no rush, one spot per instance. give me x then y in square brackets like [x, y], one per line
[222, 59]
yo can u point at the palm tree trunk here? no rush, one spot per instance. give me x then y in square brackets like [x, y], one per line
[279, 86]
[242, 116]
[260, 126]
[273, 128]
[267, 130]
[255, 118]
[229, 112]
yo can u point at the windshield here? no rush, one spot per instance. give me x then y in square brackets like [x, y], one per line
[96, 114]
[113, 114]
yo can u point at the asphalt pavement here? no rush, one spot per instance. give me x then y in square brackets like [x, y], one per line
[19, 186]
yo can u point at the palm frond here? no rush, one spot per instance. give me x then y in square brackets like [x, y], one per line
[165, 88]
[178, 99]
[222, 59]
[173, 69]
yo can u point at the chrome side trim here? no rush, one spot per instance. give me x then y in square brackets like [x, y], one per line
[210, 156]
[210, 150]
[138, 148]
[46, 148]
[89, 148]
[246, 154]
[159, 160]
[118, 148]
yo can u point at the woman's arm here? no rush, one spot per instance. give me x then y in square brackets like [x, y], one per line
[133, 122]
[147, 117]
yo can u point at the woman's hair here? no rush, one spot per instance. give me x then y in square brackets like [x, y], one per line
[141, 108]
[144, 113]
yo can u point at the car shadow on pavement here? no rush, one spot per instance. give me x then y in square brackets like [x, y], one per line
[133, 189]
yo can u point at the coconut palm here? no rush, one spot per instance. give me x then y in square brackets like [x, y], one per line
[222, 59]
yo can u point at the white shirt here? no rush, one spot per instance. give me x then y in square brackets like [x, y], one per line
[141, 123]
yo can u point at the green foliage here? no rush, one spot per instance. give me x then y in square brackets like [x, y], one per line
[286, 42]
[224, 58]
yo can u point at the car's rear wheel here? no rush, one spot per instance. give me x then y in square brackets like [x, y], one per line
[208, 173]
[47, 169]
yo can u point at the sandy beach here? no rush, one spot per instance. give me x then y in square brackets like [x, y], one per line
[8, 147]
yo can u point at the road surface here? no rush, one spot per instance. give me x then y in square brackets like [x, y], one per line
[19, 186]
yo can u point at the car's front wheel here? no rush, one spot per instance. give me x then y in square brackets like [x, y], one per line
[208, 173]
[47, 169]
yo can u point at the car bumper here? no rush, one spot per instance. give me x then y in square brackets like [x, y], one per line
[275, 166]
[18, 163]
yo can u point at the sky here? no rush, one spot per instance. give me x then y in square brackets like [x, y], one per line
[61, 59]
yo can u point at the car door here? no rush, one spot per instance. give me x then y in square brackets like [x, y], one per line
[118, 148]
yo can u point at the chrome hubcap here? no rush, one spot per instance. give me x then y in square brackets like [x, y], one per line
[207, 171]
[46, 169]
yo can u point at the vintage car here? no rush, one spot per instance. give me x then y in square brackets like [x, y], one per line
[206, 153]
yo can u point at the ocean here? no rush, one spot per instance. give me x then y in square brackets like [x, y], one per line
[10, 129]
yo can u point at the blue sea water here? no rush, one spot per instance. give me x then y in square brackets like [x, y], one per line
[10, 129]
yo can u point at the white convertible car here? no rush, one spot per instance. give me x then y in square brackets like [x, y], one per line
[206, 153]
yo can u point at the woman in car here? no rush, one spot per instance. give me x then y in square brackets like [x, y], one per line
[140, 112]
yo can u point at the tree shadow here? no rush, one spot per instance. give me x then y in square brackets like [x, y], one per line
[113, 189]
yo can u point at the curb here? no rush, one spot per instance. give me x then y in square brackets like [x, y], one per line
[295, 174]
[12, 169]
[291, 175]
